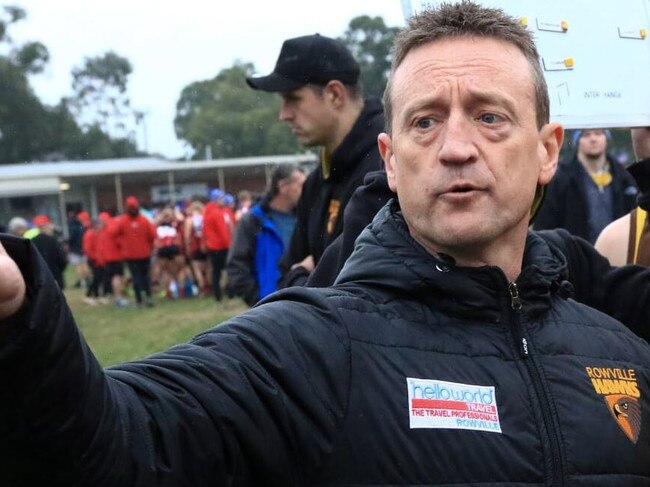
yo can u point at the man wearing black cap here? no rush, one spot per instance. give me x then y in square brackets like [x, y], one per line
[317, 78]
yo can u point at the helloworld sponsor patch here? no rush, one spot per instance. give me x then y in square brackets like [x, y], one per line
[450, 405]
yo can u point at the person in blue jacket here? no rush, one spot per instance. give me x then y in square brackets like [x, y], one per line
[262, 236]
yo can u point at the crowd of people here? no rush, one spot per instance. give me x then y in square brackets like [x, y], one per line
[174, 250]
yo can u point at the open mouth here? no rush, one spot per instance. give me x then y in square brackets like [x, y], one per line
[462, 189]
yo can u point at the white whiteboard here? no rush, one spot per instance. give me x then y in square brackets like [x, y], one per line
[595, 56]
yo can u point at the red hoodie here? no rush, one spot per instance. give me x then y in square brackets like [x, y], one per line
[135, 234]
[215, 228]
[108, 247]
[90, 245]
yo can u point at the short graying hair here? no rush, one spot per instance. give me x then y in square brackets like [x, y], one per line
[283, 172]
[468, 19]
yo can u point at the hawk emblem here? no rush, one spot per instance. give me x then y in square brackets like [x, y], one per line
[627, 413]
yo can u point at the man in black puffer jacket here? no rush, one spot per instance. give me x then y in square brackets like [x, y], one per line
[322, 102]
[445, 354]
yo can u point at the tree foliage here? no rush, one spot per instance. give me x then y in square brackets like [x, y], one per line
[30, 130]
[100, 94]
[233, 120]
[369, 40]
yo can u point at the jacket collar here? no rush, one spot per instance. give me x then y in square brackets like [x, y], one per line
[387, 258]
[361, 140]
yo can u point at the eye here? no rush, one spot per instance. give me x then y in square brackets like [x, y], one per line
[489, 118]
[424, 123]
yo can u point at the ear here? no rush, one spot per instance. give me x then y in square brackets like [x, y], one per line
[550, 141]
[385, 144]
[336, 93]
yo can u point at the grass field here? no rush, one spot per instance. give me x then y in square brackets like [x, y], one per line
[119, 334]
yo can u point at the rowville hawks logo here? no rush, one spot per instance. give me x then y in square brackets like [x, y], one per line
[621, 393]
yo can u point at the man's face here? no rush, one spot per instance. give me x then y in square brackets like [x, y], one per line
[292, 187]
[592, 143]
[466, 155]
[308, 114]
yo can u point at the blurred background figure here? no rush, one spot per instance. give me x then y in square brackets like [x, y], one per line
[195, 249]
[111, 249]
[78, 223]
[627, 239]
[17, 226]
[262, 236]
[244, 203]
[95, 260]
[137, 236]
[589, 191]
[49, 247]
[217, 235]
[168, 244]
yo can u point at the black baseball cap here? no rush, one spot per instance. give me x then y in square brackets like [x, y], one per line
[308, 59]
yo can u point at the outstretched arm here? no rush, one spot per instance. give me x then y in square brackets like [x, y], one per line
[236, 405]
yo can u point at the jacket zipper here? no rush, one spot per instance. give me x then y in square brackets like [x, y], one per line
[525, 352]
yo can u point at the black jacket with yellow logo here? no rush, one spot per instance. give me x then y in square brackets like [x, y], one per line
[409, 371]
[324, 197]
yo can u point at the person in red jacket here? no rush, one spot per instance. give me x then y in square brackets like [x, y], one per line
[95, 259]
[109, 249]
[137, 235]
[217, 237]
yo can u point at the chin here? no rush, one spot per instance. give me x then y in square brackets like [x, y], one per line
[467, 234]
[307, 142]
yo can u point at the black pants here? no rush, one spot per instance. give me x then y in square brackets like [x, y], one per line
[139, 269]
[98, 279]
[218, 261]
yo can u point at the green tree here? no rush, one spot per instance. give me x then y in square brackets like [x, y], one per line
[32, 131]
[100, 98]
[30, 57]
[23, 128]
[369, 40]
[233, 120]
[23, 125]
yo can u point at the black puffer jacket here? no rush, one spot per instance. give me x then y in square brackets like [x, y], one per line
[357, 155]
[344, 386]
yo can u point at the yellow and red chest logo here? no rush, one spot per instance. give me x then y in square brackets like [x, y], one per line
[621, 393]
[332, 215]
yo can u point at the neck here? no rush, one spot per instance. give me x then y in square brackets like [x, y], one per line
[506, 253]
[593, 164]
[349, 116]
[282, 204]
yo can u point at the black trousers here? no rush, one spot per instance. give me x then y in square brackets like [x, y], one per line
[218, 261]
[139, 269]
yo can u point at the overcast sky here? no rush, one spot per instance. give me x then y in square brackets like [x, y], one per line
[172, 44]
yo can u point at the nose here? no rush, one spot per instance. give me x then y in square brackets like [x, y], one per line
[285, 112]
[457, 145]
